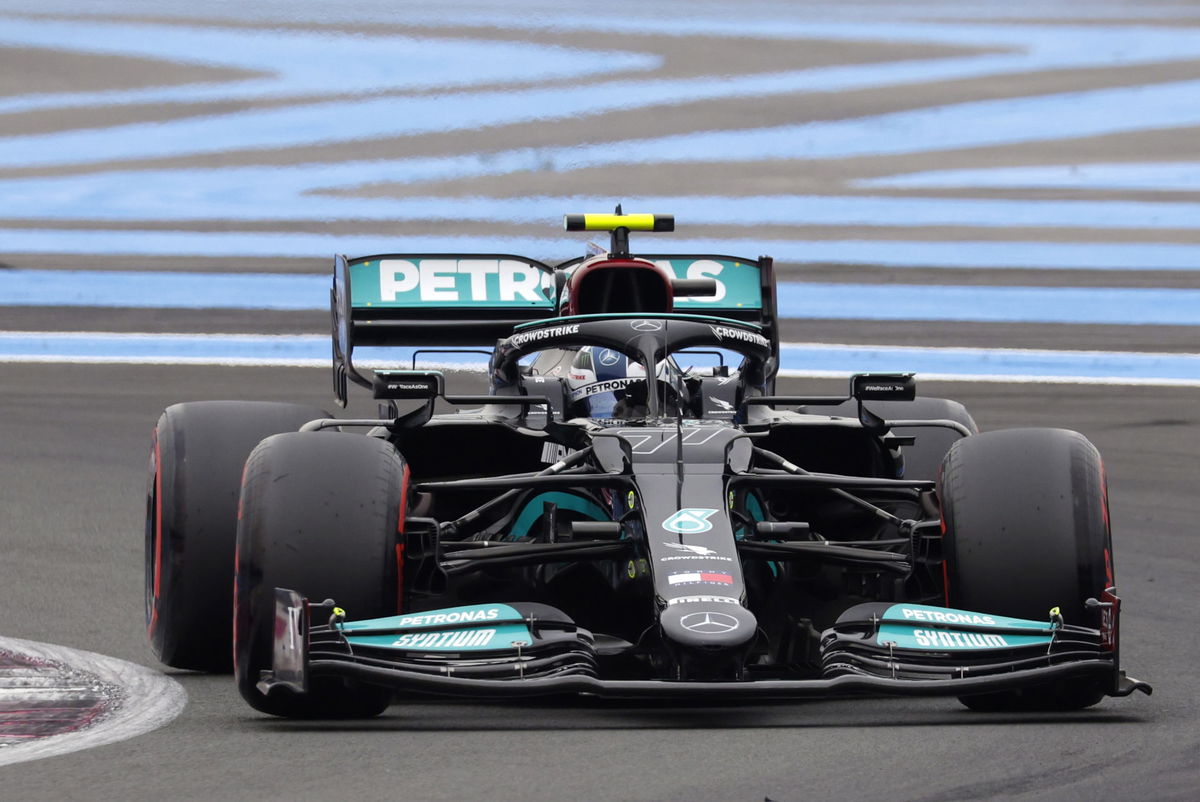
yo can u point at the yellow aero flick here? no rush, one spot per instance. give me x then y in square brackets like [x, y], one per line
[611, 222]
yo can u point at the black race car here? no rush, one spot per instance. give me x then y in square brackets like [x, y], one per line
[630, 511]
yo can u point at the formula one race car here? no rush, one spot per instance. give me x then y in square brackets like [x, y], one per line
[612, 519]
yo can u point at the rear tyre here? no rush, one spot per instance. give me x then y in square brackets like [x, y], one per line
[1026, 529]
[196, 458]
[321, 515]
[924, 457]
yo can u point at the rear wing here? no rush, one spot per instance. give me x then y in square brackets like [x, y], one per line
[473, 300]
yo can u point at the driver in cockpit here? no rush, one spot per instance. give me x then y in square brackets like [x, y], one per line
[605, 383]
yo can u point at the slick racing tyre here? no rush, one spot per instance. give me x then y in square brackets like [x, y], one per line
[1026, 529]
[196, 458]
[321, 515]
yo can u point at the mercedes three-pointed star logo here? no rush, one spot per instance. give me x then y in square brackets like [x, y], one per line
[708, 623]
[646, 325]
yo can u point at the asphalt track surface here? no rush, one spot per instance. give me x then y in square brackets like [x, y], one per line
[79, 188]
[74, 461]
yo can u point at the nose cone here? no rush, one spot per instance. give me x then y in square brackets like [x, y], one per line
[707, 625]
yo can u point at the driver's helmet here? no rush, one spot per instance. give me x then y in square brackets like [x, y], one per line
[605, 383]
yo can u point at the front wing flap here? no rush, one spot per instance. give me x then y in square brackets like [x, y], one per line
[921, 642]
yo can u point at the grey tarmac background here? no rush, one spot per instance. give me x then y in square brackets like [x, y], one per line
[71, 563]
[73, 437]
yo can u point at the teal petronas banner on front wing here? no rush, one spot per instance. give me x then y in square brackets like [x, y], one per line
[918, 626]
[481, 627]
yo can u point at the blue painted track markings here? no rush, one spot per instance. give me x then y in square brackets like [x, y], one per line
[1100, 305]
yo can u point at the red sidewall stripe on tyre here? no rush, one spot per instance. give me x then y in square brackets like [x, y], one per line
[158, 527]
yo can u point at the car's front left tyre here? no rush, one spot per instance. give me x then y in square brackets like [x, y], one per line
[1025, 516]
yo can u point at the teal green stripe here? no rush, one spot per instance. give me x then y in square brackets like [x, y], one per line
[565, 501]
[636, 315]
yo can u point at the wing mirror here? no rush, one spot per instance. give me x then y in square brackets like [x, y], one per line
[409, 384]
[883, 386]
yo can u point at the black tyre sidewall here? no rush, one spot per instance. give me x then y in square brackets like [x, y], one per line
[321, 514]
[197, 453]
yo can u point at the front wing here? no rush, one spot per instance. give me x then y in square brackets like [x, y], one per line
[507, 651]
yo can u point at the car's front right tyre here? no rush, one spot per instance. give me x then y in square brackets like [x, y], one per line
[321, 514]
